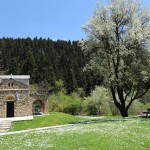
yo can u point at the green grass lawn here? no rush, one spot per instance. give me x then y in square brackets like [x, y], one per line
[54, 118]
[127, 134]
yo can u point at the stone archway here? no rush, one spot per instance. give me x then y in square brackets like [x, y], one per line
[38, 107]
[39, 104]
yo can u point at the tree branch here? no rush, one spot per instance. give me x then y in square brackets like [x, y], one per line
[138, 96]
[114, 96]
[128, 92]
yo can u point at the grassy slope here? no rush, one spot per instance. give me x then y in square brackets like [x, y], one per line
[52, 119]
[129, 134]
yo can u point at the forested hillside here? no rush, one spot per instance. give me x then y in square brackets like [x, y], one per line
[47, 61]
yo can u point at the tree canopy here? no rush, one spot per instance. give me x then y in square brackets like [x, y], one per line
[118, 38]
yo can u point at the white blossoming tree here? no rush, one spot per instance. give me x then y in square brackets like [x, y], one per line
[118, 39]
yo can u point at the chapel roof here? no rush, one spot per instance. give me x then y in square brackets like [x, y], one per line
[21, 78]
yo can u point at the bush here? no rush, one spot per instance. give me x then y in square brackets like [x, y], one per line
[65, 103]
[114, 110]
[33, 88]
[135, 108]
[98, 102]
[145, 99]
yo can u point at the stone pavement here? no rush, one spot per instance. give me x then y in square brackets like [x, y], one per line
[18, 118]
[37, 129]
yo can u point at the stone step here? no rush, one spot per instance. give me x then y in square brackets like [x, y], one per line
[3, 130]
[5, 124]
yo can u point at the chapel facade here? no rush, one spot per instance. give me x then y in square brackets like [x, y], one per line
[16, 100]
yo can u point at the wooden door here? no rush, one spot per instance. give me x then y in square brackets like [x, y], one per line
[10, 109]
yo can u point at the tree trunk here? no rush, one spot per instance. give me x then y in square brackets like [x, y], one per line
[120, 106]
[123, 111]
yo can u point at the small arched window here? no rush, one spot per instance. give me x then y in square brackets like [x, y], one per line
[8, 84]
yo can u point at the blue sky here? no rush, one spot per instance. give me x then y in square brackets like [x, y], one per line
[56, 19]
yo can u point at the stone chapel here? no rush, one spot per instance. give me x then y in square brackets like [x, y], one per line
[16, 100]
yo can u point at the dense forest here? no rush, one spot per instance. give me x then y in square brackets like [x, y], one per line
[48, 61]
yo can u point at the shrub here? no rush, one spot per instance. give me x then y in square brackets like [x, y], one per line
[114, 110]
[98, 102]
[136, 108]
[145, 99]
[33, 88]
[65, 103]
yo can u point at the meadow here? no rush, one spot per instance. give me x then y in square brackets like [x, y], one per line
[53, 119]
[110, 134]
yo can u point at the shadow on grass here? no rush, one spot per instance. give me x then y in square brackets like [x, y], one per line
[98, 121]
[140, 118]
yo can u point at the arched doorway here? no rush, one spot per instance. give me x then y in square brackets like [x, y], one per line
[38, 107]
[10, 105]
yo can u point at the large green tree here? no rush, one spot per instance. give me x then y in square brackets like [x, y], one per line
[118, 38]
